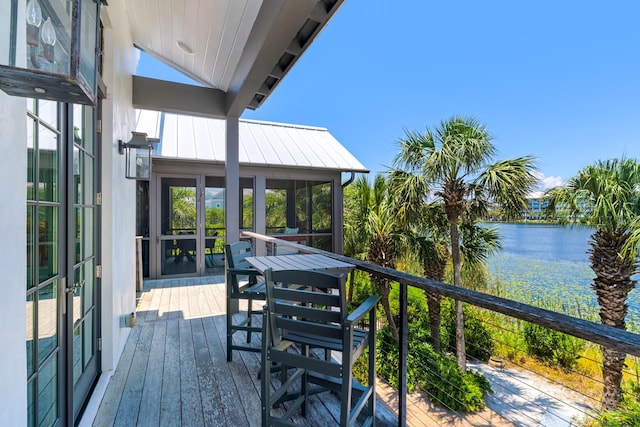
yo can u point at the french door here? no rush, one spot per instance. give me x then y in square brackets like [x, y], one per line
[188, 221]
[62, 295]
[82, 290]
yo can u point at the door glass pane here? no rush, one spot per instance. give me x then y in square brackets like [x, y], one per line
[47, 393]
[83, 128]
[84, 233]
[178, 206]
[30, 404]
[78, 335]
[87, 183]
[78, 295]
[179, 256]
[48, 112]
[179, 219]
[48, 241]
[88, 285]
[31, 159]
[88, 343]
[48, 165]
[31, 245]
[47, 321]
[31, 328]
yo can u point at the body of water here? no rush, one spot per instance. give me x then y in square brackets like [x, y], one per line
[548, 265]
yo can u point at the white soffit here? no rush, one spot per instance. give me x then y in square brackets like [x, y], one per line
[261, 143]
[216, 31]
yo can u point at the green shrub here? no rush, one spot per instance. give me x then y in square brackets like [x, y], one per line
[478, 338]
[626, 415]
[435, 373]
[551, 346]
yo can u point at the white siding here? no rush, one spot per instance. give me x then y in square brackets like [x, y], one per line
[13, 179]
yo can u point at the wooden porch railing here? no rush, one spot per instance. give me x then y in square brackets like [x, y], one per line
[616, 339]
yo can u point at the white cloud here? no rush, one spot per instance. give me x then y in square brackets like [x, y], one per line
[545, 183]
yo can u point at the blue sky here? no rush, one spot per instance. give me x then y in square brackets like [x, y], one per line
[559, 80]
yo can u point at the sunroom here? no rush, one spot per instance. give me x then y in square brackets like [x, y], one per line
[291, 181]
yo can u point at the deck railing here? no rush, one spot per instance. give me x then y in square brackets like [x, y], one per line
[591, 332]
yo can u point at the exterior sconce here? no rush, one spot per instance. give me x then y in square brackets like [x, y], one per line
[49, 49]
[138, 155]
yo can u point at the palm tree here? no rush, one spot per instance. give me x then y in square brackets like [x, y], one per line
[373, 233]
[426, 229]
[357, 198]
[455, 158]
[607, 196]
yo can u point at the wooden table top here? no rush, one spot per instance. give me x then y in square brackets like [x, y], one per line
[300, 262]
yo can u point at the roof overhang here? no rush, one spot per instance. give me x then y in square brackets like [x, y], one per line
[239, 50]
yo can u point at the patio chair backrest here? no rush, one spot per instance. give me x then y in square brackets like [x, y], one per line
[303, 301]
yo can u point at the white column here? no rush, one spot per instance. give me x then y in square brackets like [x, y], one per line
[260, 211]
[232, 179]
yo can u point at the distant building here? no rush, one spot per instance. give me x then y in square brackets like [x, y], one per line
[536, 205]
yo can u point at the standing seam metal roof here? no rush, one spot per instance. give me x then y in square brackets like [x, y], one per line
[261, 143]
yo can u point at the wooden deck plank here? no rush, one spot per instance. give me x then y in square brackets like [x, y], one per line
[192, 300]
[130, 403]
[234, 408]
[152, 392]
[163, 305]
[187, 380]
[174, 303]
[212, 404]
[113, 395]
[242, 377]
[170, 414]
[189, 389]
[154, 305]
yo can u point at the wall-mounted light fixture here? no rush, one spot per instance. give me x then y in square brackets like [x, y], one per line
[138, 155]
[49, 49]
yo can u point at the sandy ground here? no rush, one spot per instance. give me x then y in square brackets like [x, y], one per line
[520, 399]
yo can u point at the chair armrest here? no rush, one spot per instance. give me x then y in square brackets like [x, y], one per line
[244, 272]
[364, 308]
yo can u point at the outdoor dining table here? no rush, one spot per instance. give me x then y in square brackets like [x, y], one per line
[300, 262]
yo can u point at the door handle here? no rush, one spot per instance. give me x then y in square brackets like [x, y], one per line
[75, 287]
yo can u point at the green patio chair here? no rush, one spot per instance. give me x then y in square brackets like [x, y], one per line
[242, 284]
[306, 316]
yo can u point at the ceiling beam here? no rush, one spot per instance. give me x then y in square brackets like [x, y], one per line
[277, 25]
[178, 98]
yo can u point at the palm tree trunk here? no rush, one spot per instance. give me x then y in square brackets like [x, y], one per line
[433, 304]
[612, 286]
[352, 284]
[457, 281]
[383, 286]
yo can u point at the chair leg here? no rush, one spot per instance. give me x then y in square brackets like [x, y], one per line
[265, 375]
[304, 384]
[249, 318]
[229, 330]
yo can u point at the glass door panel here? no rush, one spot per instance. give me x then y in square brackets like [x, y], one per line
[82, 295]
[214, 224]
[178, 240]
[44, 248]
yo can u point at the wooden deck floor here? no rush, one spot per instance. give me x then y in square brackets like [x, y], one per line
[173, 371]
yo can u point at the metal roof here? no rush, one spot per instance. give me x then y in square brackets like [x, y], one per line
[261, 143]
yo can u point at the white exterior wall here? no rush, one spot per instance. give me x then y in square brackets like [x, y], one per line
[119, 201]
[13, 262]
